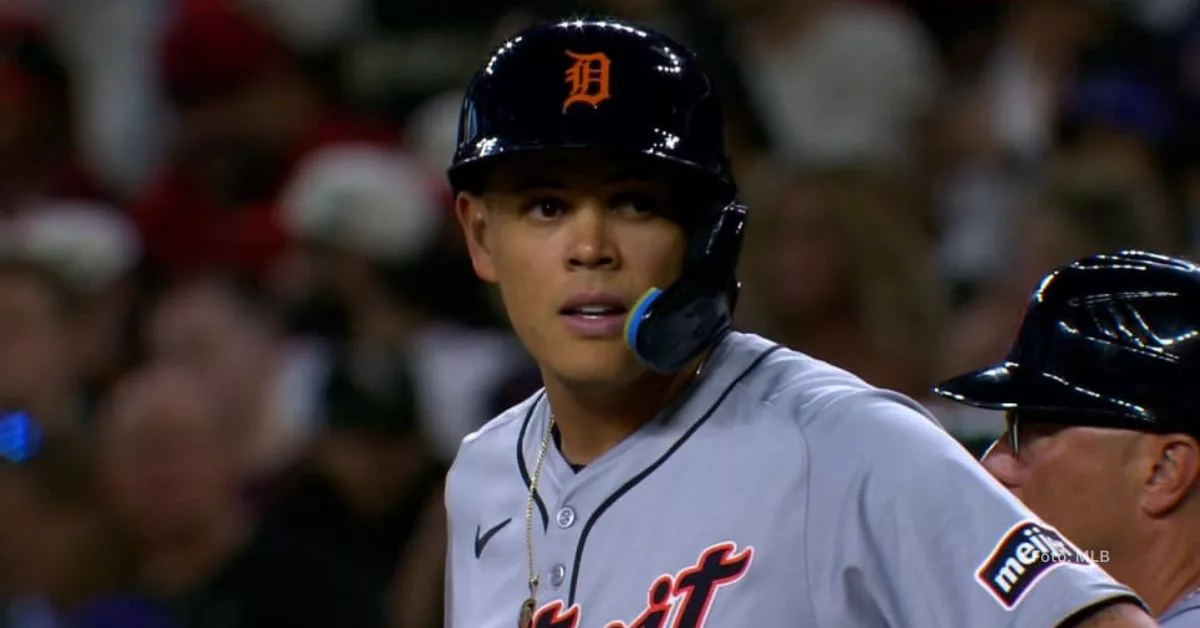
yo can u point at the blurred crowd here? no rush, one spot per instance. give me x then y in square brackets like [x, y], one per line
[240, 339]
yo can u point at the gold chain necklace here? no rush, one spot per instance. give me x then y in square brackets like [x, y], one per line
[529, 606]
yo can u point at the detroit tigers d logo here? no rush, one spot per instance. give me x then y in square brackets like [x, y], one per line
[587, 79]
[687, 595]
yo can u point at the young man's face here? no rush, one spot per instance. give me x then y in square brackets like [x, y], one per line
[574, 240]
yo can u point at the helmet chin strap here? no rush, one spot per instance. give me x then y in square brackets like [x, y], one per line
[669, 328]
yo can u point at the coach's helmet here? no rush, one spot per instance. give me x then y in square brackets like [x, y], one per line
[1109, 340]
[625, 90]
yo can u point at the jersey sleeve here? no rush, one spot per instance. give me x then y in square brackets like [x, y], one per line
[905, 528]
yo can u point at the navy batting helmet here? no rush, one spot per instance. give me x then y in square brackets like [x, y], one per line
[1109, 340]
[630, 92]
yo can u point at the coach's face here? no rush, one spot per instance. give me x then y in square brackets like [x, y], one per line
[1102, 488]
[573, 240]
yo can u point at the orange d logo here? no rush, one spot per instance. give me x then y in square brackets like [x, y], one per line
[588, 79]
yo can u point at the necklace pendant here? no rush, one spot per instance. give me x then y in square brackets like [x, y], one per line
[525, 618]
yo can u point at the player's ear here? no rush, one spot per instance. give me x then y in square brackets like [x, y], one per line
[1175, 473]
[473, 218]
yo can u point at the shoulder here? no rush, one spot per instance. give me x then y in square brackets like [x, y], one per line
[816, 397]
[502, 429]
[1183, 615]
[829, 418]
[493, 447]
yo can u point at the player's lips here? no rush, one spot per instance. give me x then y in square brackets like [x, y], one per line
[595, 315]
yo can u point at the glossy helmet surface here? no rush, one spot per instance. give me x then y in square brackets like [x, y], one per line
[614, 87]
[597, 84]
[1115, 335]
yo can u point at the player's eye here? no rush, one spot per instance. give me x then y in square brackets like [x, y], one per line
[545, 208]
[637, 203]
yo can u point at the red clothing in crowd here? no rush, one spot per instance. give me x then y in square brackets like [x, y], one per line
[185, 232]
[213, 50]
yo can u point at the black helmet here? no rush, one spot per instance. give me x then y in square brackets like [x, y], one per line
[624, 90]
[1109, 339]
[599, 84]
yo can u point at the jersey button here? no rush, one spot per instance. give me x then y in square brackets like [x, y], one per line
[565, 518]
[557, 575]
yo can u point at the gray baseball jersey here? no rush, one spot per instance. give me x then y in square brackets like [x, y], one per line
[1185, 614]
[779, 491]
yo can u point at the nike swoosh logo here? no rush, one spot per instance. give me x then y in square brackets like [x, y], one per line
[481, 541]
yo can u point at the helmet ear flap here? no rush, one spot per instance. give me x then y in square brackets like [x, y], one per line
[671, 327]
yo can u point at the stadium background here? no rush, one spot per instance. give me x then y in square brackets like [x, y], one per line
[239, 340]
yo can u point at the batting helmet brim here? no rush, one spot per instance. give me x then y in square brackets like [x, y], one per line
[1007, 386]
[467, 174]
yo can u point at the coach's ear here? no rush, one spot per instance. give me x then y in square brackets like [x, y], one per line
[1176, 473]
[473, 218]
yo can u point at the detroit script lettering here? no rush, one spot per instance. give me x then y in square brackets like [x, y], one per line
[688, 594]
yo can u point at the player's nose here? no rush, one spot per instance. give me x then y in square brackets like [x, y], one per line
[592, 245]
[1000, 461]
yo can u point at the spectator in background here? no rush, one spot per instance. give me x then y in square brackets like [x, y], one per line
[92, 249]
[369, 485]
[1081, 211]
[1036, 108]
[372, 234]
[247, 112]
[841, 269]
[1033, 64]
[836, 82]
[37, 147]
[997, 132]
[63, 562]
[313, 26]
[37, 371]
[226, 338]
[175, 482]
[1118, 124]
[430, 134]
[1085, 207]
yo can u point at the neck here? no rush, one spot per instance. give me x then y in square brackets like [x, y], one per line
[175, 564]
[593, 420]
[1163, 571]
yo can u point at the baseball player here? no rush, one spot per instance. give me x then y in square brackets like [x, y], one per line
[672, 472]
[1103, 422]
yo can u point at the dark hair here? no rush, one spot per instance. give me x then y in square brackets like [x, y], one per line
[382, 403]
